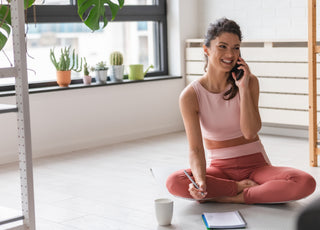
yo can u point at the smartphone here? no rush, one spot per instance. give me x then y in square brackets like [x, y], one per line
[238, 72]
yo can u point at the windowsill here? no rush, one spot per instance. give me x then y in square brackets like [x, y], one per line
[81, 85]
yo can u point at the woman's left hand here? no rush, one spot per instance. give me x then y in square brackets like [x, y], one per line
[244, 81]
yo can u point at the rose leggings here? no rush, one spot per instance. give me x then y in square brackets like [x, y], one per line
[275, 184]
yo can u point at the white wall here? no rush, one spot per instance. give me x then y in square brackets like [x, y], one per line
[77, 119]
[183, 23]
[260, 19]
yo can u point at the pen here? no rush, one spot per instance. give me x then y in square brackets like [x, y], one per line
[194, 183]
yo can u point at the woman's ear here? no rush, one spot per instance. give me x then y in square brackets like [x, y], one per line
[205, 50]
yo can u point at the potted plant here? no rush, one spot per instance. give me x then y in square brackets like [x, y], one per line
[116, 67]
[66, 63]
[86, 77]
[101, 72]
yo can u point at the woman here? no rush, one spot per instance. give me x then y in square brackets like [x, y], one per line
[222, 113]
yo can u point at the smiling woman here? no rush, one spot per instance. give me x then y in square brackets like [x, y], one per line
[143, 21]
[221, 114]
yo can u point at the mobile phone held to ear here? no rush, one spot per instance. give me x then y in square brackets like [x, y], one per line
[238, 72]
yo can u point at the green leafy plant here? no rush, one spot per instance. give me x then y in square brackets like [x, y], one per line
[66, 61]
[116, 58]
[92, 12]
[101, 66]
[5, 20]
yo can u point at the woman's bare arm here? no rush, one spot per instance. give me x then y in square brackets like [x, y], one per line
[250, 121]
[189, 110]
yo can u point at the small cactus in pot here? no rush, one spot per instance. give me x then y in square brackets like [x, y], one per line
[116, 58]
[86, 74]
[101, 71]
[67, 61]
[116, 67]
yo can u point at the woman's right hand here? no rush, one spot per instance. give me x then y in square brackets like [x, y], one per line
[198, 194]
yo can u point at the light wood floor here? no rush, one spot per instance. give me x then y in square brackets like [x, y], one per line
[111, 187]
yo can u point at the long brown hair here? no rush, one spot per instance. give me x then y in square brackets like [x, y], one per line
[216, 29]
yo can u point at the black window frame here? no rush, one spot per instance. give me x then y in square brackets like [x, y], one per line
[68, 14]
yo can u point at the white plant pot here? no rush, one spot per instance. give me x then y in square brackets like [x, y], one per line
[101, 76]
[116, 72]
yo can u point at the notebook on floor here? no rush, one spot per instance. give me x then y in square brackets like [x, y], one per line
[221, 220]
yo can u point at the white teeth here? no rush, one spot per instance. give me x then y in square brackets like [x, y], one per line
[226, 61]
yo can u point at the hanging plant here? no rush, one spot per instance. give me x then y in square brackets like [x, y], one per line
[5, 20]
[92, 12]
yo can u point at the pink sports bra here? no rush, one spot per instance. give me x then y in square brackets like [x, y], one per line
[219, 118]
[220, 121]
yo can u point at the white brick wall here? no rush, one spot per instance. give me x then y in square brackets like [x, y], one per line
[260, 19]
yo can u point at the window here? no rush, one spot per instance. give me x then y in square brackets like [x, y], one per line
[139, 32]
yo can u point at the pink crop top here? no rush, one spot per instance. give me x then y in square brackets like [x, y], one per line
[220, 120]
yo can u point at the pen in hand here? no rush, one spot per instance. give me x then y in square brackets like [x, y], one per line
[193, 182]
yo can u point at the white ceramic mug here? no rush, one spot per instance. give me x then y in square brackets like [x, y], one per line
[164, 210]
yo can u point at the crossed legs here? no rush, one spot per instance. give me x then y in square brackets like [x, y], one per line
[264, 184]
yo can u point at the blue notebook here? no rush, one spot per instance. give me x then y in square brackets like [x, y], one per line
[216, 220]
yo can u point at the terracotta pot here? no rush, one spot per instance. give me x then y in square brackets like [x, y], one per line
[64, 78]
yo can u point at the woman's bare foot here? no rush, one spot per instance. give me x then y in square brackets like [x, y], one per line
[239, 199]
[247, 183]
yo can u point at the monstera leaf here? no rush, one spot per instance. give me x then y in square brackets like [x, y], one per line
[5, 20]
[92, 12]
[28, 3]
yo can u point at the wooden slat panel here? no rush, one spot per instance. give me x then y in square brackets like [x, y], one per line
[280, 69]
[276, 100]
[194, 54]
[285, 101]
[261, 69]
[194, 68]
[275, 54]
[276, 85]
[293, 54]
[286, 117]
[284, 85]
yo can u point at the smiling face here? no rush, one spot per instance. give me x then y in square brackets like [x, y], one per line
[223, 52]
